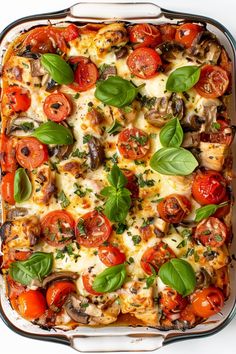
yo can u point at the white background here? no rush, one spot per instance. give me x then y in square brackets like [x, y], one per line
[225, 12]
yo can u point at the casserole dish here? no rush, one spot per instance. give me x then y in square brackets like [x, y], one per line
[86, 339]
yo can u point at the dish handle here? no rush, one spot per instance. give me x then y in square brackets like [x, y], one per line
[95, 10]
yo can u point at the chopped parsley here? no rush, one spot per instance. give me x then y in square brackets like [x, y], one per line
[136, 239]
[63, 199]
[87, 138]
[81, 227]
[78, 153]
[121, 228]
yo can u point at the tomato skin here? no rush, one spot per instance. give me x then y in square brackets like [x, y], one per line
[8, 153]
[144, 62]
[132, 183]
[18, 99]
[144, 35]
[174, 208]
[156, 256]
[14, 255]
[59, 224]
[133, 143]
[110, 255]
[224, 135]
[171, 302]
[57, 107]
[213, 81]
[88, 285]
[57, 293]
[71, 32]
[188, 315]
[167, 32]
[31, 304]
[209, 187]
[86, 74]
[92, 223]
[207, 302]
[7, 188]
[211, 232]
[186, 33]
[31, 153]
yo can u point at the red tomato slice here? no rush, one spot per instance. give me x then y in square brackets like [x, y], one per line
[86, 74]
[171, 302]
[207, 302]
[87, 282]
[8, 153]
[57, 293]
[213, 82]
[156, 256]
[18, 99]
[188, 315]
[111, 256]
[31, 153]
[57, 107]
[71, 32]
[209, 187]
[46, 39]
[211, 232]
[133, 143]
[222, 135]
[58, 228]
[92, 229]
[174, 208]
[132, 183]
[31, 304]
[144, 62]
[7, 188]
[186, 33]
[144, 35]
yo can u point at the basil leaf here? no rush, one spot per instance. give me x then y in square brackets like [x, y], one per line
[179, 275]
[115, 128]
[173, 161]
[59, 70]
[116, 91]
[110, 279]
[53, 133]
[183, 79]
[22, 186]
[207, 210]
[116, 177]
[171, 135]
[36, 266]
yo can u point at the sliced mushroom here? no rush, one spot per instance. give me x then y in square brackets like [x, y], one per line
[170, 50]
[109, 70]
[203, 278]
[121, 53]
[205, 48]
[52, 85]
[16, 212]
[28, 54]
[5, 230]
[96, 153]
[192, 122]
[176, 106]
[62, 152]
[36, 68]
[74, 309]
[191, 140]
[59, 276]
[21, 126]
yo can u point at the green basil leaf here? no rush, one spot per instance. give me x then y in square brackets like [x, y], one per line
[36, 266]
[116, 177]
[179, 275]
[171, 135]
[208, 210]
[183, 79]
[173, 161]
[53, 133]
[58, 68]
[118, 204]
[115, 128]
[116, 91]
[110, 279]
[22, 186]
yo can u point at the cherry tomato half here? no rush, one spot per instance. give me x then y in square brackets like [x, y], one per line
[132, 183]
[86, 74]
[93, 229]
[174, 208]
[207, 302]
[8, 153]
[171, 302]
[71, 32]
[186, 33]
[211, 232]
[57, 107]
[45, 39]
[213, 82]
[18, 99]
[144, 35]
[133, 143]
[144, 62]
[156, 256]
[57, 293]
[7, 188]
[188, 315]
[31, 304]
[58, 228]
[31, 153]
[209, 187]
[87, 282]
[223, 134]
[110, 255]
